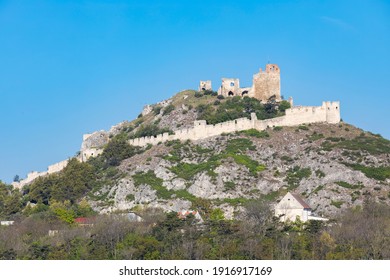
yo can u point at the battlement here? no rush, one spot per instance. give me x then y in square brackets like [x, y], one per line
[328, 112]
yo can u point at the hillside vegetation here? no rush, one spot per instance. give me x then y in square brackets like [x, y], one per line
[233, 180]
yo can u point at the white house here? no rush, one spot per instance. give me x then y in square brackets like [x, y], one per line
[292, 207]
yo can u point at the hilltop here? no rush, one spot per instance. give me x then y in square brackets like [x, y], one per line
[332, 166]
[231, 180]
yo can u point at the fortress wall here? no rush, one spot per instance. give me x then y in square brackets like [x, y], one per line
[301, 115]
[332, 111]
[57, 166]
[328, 112]
[264, 124]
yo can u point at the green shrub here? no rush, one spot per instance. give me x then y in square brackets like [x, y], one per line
[229, 185]
[303, 127]
[296, 174]
[349, 186]
[379, 173]
[255, 133]
[336, 203]
[149, 130]
[168, 109]
[157, 109]
[198, 94]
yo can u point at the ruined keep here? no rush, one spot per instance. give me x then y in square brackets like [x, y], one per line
[204, 85]
[266, 85]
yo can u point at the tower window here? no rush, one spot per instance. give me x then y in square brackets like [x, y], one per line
[232, 84]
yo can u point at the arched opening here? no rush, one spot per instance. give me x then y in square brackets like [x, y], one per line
[230, 93]
[244, 92]
[203, 88]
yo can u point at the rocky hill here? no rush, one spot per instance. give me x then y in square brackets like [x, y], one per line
[332, 166]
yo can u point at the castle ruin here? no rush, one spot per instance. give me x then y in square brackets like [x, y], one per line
[265, 86]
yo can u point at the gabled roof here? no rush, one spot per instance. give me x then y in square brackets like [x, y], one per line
[301, 201]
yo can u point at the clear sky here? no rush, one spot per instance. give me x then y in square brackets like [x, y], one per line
[74, 67]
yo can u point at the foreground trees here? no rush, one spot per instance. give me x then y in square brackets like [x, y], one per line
[362, 233]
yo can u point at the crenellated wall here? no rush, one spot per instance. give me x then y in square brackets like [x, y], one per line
[35, 174]
[327, 112]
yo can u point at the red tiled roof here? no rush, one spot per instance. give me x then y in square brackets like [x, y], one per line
[301, 201]
[184, 214]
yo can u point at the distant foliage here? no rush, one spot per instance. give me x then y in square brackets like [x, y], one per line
[255, 133]
[237, 107]
[168, 109]
[10, 201]
[117, 150]
[71, 184]
[149, 130]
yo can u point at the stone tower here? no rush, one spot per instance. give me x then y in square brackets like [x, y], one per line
[204, 85]
[266, 84]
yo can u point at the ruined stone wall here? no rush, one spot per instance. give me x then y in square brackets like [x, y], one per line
[267, 83]
[229, 87]
[328, 112]
[54, 168]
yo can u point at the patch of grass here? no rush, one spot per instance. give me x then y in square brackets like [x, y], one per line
[272, 196]
[315, 136]
[303, 127]
[295, 175]
[239, 145]
[278, 128]
[168, 109]
[235, 201]
[245, 160]
[355, 195]
[336, 203]
[372, 144]
[286, 158]
[255, 133]
[130, 197]
[317, 189]
[188, 170]
[229, 185]
[379, 173]
[149, 178]
[319, 173]
[349, 186]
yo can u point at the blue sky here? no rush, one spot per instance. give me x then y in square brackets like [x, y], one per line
[74, 67]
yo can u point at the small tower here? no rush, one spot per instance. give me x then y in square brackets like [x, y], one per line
[229, 87]
[204, 85]
[266, 84]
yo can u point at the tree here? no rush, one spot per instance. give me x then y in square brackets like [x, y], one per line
[16, 178]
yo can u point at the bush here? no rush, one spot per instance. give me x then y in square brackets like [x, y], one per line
[149, 130]
[168, 109]
[198, 94]
[117, 150]
[255, 133]
[220, 97]
[157, 110]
